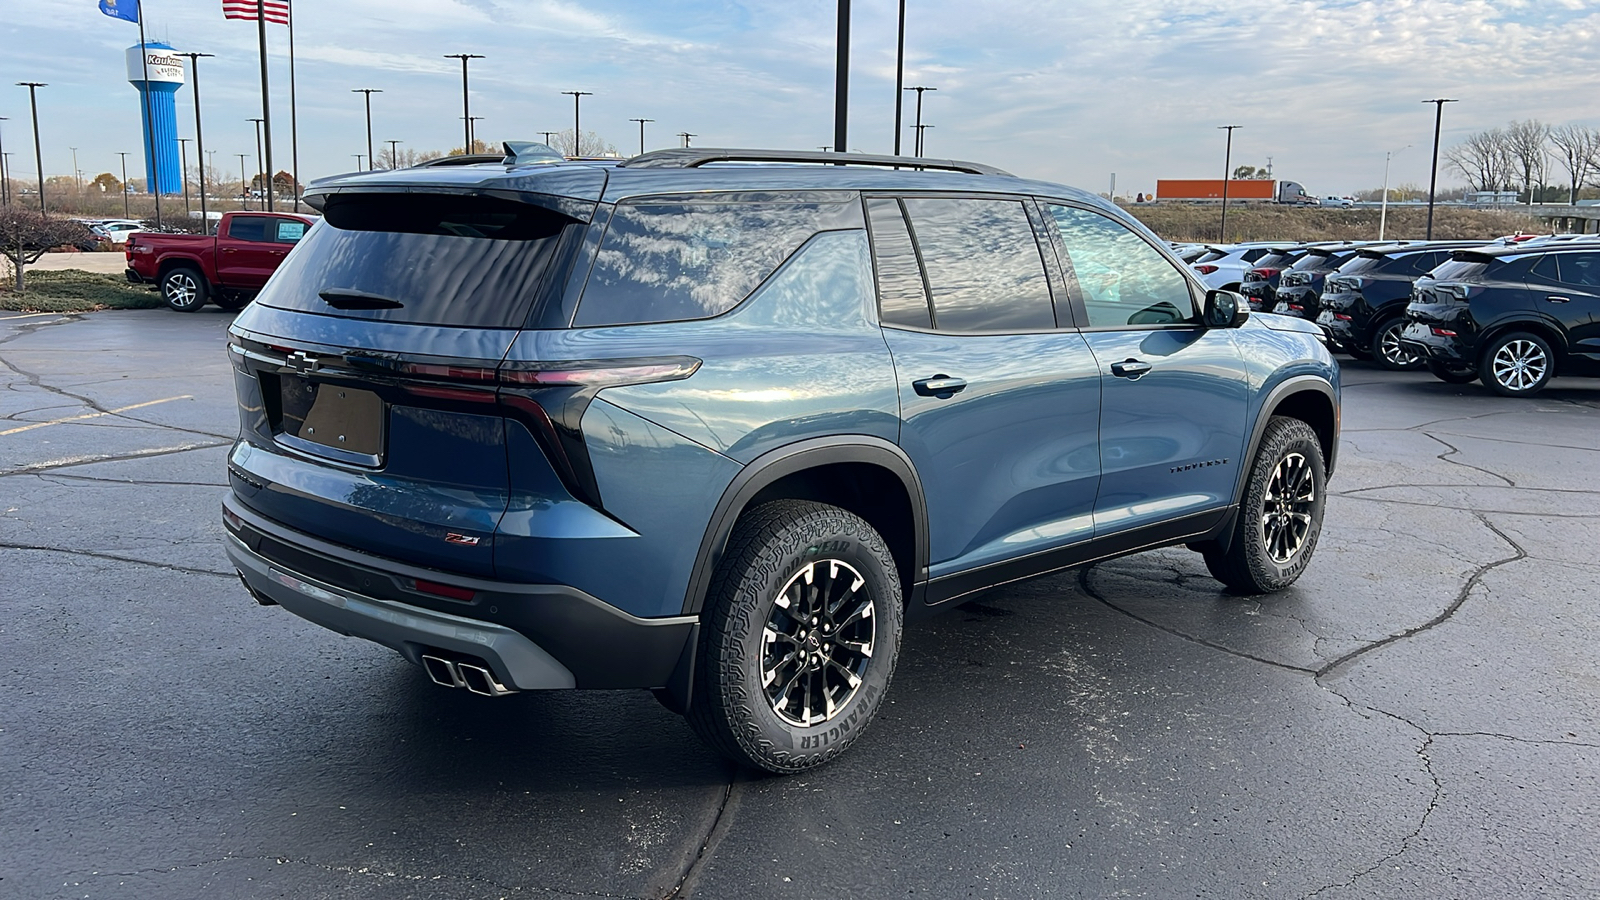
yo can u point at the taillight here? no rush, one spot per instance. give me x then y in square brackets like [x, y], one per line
[1343, 317]
[601, 373]
[1297, 307]
[1205, 269]
[1266, 271]
[1442, 332]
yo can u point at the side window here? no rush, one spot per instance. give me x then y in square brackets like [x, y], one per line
[1124, 280]
[983, 265]
[248, 228]
[902, 295]
[289, 231]
[1547, 268]
[674, 261]
[1254, 254]
[1580, 269]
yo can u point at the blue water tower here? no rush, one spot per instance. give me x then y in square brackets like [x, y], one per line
[158, 73]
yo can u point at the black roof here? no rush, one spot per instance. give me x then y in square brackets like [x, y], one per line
[1498, 252]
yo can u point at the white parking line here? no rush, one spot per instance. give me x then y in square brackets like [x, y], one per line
[110, 412]
[27, 316]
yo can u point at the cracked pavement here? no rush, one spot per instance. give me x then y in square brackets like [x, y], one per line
[1418, 717]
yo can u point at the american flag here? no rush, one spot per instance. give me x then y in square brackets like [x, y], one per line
[274, 11]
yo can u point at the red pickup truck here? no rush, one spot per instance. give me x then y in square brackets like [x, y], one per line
[227, 269]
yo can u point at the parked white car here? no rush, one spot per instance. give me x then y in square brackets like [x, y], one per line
[117, 230]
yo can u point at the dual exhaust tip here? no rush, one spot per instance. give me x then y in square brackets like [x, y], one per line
[472, 674]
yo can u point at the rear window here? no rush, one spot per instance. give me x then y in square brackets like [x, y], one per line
[1461, 270]
[1211, 256]
[1313, 260]
[471, 262]
[1276, 259]
[1362, 263]
[248, 228]
[675, 261]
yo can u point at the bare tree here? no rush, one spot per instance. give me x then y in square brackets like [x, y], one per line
[1528, 142]
[27, 234]
[592, 145]
[1577, 149]
[1484, 159]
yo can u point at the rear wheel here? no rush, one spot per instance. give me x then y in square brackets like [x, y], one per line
[798, 638]
[184, 289]
[1454, 373]
[1279, 521]
[1387, 350]
[1517, 364]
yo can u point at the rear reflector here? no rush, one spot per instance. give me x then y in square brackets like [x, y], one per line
[450, 592]
[232, 520]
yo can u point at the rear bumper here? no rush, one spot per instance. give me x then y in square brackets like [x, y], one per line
[1455, 350]
[531, 636]
[133, 276]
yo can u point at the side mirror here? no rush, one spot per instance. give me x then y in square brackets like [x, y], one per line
[1225, 309]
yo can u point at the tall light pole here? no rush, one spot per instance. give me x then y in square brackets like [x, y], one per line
[124, 155]
[5, 173]
[258, 157]
[77, 184]
[841, 80]
[686, 135]
[1383, 217]
[1433, 178]
[359, 157]
[38, 154]
[466, 107]
[1227, 175]
[547, 136]
[899, 77]
[920, 90]
[472, 132]
[199, 141]
[394, 154]
[641, 132]
[371, 160]
[183, 171]
[577, 130]
[917, 150]
[244, 192]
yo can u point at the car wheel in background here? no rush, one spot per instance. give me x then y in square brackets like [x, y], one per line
[1517, 364]
[1276, 530]
[1453, 373]
[231, 302]
[798, 638]
[1387, 350]
[184, 289]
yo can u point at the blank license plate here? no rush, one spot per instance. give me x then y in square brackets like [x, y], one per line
[333, 416]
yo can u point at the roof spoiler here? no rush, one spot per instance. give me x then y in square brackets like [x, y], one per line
[690, 158]
[523, 152]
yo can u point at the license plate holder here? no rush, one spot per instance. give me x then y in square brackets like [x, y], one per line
[331, 420]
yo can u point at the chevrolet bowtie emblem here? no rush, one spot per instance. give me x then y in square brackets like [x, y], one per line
[301, 362]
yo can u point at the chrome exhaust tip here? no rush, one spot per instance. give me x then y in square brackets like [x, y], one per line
[443, 671]
[480, 680]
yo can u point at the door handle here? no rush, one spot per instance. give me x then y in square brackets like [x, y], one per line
[942, 386]
[1130, 369]
[228, 249]
[1554, 299]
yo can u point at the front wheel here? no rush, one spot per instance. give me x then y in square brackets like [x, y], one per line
[798, 638]
[1452, 374]
[1517, 364]
[1387, 350]
[184, 289]
[1279, 521]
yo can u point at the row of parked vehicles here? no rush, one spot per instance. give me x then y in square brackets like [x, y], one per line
[1513, 312]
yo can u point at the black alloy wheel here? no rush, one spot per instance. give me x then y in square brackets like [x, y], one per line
[1280, 520]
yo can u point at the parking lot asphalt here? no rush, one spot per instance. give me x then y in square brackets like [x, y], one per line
[1418, 717]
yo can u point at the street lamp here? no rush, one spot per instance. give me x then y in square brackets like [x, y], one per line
[371, 160]
[394, 154]
[258, 157]
[1227, 175]
[577, 131]
[244, 192]
[38, 154]
[183, 171]
[686, 136]
[77, 185]
[899, 76]
[1433, 179]
[841, 79]
[472, 132]
[199, 142]
[359, 157]
[641, 132]
[1383, 217]
[5, 174]
[547, 136]
[466, 110]
[920, 129]
[124, 155]
[919, 89]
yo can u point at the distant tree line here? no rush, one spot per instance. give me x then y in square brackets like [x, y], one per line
[1523, 155]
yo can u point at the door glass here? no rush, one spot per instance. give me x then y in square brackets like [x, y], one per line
[1124, 280]
[1580, 269]
[1547, 268]
[248, 228]
[902, 297]
[983, 265]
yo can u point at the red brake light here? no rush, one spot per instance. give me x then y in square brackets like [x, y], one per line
[444, 590]
[604, 373]
[1266, 271]
[1442, 332]
[1342, 317]
[1205, 269]
[1297, 307]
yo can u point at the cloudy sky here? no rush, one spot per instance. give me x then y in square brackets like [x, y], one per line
[1064, 91]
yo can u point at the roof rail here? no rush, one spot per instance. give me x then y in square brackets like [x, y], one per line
[694, 157]
[461, 160]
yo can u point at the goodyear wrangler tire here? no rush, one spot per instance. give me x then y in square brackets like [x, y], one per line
[1280, 519]
[799, 637]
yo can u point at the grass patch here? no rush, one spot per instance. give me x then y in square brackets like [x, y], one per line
[74, 290]
[1181, 222]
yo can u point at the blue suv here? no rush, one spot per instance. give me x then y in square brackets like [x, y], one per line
[715, 423]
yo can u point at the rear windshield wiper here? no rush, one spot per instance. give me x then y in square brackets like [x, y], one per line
[347, 299]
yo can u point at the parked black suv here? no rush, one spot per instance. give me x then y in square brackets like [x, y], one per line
[1515, 317]
[1260, 283]
[1364, 303]
[1299, 289]
[713, 422]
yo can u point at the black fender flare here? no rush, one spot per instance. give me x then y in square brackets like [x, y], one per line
[787, 460]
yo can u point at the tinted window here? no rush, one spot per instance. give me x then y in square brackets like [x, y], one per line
[902, 296]
[1211, 256]
[1547, 268]
[248, 228]
[1254, 254]
[464, 261]
[1580, 268]
[1312, 260]
[1124, 280]
[1362, 262]
[983, 265]
[668, 262]
[1421, 263]
[1460, 270]
[289, 231]
[1276, 259]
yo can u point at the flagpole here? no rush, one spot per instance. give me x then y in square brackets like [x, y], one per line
[294, 128]
[266, 106]
[152, 182]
